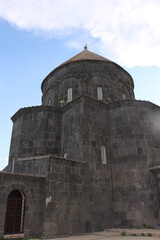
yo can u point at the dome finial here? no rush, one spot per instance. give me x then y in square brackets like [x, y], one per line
[85, 47]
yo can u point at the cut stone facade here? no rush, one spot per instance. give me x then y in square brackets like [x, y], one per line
[84, 164]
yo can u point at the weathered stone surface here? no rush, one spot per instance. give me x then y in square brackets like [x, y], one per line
[84, 77]
[56, 154]
[33, 189]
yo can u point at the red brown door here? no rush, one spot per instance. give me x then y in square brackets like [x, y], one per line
[14, 214]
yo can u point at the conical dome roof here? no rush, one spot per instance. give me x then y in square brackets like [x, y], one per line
[86, 55]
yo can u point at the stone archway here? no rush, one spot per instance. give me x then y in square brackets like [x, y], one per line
[15, 212]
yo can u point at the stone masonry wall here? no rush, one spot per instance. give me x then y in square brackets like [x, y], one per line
[36, 165]
[84, 77]
[135, 141]
[71, 130]
[158, 183]
[33, 189]
[94, 131]
[78, 198]
[36, 131]
[84, 130]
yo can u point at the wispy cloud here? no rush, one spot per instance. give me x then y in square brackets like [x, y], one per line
[125, 30]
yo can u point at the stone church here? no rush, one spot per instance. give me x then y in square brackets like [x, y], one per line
[87, 159]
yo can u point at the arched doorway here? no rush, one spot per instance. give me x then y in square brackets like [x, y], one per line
[15, 212]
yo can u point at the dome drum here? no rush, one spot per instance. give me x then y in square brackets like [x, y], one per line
[84, 77]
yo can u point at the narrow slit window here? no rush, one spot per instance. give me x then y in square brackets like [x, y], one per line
[103, 155]
[124, 96]
[99, 93]
[49, 102]
[69, 96]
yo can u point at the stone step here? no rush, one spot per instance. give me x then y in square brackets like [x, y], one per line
[14, 236]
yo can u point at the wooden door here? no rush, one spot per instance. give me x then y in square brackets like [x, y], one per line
[14, 213]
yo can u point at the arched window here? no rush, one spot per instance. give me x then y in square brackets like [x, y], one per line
[99, 93]
[15, 212]
[103, 155]
[69, 95]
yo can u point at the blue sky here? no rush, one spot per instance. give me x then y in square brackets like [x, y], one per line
[36, 36]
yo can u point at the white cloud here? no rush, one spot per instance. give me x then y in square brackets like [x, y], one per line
[125, 30]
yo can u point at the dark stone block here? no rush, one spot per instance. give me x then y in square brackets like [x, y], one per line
[140, 151]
